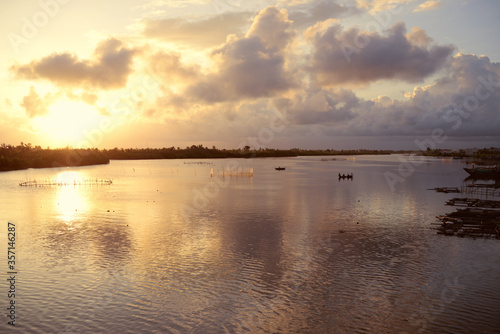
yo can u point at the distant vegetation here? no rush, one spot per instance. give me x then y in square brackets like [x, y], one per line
[200, 152]
[26, 156]
[441, 153]
[487, 156]
[480, 156]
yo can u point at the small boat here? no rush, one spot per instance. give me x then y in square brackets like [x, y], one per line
[280, 168]
[484, 172]
[447, 190]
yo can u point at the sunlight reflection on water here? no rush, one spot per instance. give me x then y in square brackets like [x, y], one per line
[295, 251]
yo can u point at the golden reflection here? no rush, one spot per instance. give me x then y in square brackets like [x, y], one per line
[69, 200]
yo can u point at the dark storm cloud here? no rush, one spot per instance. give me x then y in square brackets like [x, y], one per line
[359, 57]
[108, 69]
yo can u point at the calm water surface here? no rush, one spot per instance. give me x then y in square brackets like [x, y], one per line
[167, 249]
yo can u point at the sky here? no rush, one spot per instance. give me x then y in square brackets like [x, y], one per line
[310, 74]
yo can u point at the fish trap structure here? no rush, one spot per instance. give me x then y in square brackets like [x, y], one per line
[231, 172]
[61, 183]
[199, 163]
[473, 202]
[481, 190]
[474, 221]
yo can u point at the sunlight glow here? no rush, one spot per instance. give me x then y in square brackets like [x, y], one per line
[68, 122]
[70, 202]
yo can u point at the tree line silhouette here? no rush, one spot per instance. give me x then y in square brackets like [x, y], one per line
[26, 156]
[201, 152]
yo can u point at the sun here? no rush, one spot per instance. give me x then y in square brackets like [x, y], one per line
[68, 123]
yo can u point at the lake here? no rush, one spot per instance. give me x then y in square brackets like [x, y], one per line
[166, 248]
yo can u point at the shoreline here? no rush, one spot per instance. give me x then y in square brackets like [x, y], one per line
[22, 157]
[188, 158]
[25, 156]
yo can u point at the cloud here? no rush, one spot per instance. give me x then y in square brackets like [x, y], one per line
[321, 115]
[109, 68]
[272, 27]
[428, 5]
[246, 69]
[319, 106]
[86, 97]
[380, 5]
[465, 102]
[307, 14]
[198, 32]
[173, 76]
[252, 75]
[419, 37]
[359, 57]
[171, 3]
[169, 69]
[35, 105]
[252, 66]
